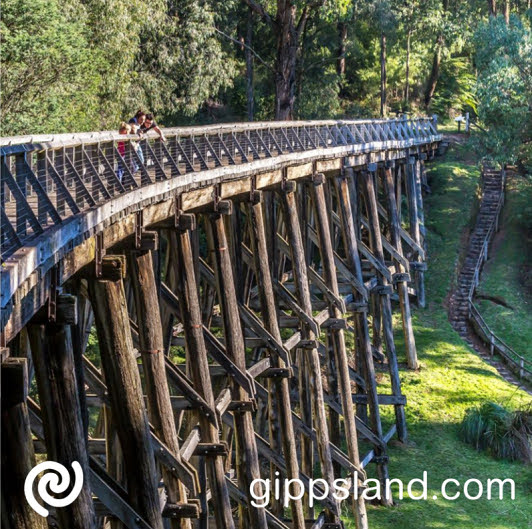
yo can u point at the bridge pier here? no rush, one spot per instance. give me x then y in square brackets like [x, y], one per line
[247, 462]
[153, 363]
[187, 290]
[360, 310]
[415, 225]
[280, 385]
[18, 456]
[383, 291]
[125, 392]
[400, 277]
[337, 339]
[52, 353]
[311, 360]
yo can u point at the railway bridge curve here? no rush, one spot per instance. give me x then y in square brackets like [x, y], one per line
[239, 281]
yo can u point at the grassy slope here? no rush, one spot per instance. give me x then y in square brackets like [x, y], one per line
[452, 378]
[501, 275]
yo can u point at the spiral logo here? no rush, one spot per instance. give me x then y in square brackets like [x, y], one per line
[54, 482]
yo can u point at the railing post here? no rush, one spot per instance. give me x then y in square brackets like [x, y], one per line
[20, 178]
[521, 367]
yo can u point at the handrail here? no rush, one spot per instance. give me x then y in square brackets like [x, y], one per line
[68, 139]
[522, 366]
[48, 178]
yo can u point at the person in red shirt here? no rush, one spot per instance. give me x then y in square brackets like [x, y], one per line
[125, 128]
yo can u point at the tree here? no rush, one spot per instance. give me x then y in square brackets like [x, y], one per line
[412, 15]
[46, 83]
[384, 19]
[504, 88]
[436, 59]
[180, 62]
[288, 24]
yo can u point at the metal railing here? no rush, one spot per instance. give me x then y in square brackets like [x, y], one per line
[48, 178]
[520, 365]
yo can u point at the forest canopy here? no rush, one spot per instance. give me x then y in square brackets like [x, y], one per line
[78, 65]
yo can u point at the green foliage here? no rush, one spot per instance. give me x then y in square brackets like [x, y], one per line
[319, 100]
[456, 88]
[93, 63]
[45, 64]
[180, 61]
[504, 88]
[113, 29]
[503, 434]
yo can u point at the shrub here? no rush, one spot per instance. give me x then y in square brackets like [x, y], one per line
[502, 433]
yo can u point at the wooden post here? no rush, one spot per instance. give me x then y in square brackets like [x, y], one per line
[402, 284]
[363, 342]
[186, 285]
[420, 172]
[399, 170]
[79, 342]
[52, 351]
[280, 386]
[125, 392]
[153, 361]
[383, 291]
[337, 339]
[18, 457]
[314, 380]
[114, 462]
[375, 304]
[415, 230]
[247, 460]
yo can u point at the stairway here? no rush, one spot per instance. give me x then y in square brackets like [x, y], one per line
[493, 187]
[492, 190]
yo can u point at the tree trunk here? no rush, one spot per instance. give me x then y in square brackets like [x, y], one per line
[434, 73]
[507, 11]
[383, 74]
[492, 7]
[285, 67]
[342, 39]
[407, 73]
[249, 67]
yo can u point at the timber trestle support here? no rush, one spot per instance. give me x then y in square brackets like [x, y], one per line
[191, 341]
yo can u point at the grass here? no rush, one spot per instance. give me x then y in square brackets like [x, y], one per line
[503, 273]
[501, 433]
[452, 379]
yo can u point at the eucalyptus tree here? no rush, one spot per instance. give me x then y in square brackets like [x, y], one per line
[383, 16]
[45, 67]
[180, 61]
[287, 19]
[504, 89]
[414, 18]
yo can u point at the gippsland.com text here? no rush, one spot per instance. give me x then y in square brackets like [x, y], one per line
[264, 490]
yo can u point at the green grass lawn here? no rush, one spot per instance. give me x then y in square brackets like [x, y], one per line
[451, 379]
[503, 272]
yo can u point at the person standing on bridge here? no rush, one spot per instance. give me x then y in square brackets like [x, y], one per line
[136, 122]
[125, 128]
[138, 119]
[150, 124]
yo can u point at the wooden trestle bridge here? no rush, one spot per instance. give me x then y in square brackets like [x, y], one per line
[241, 281]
